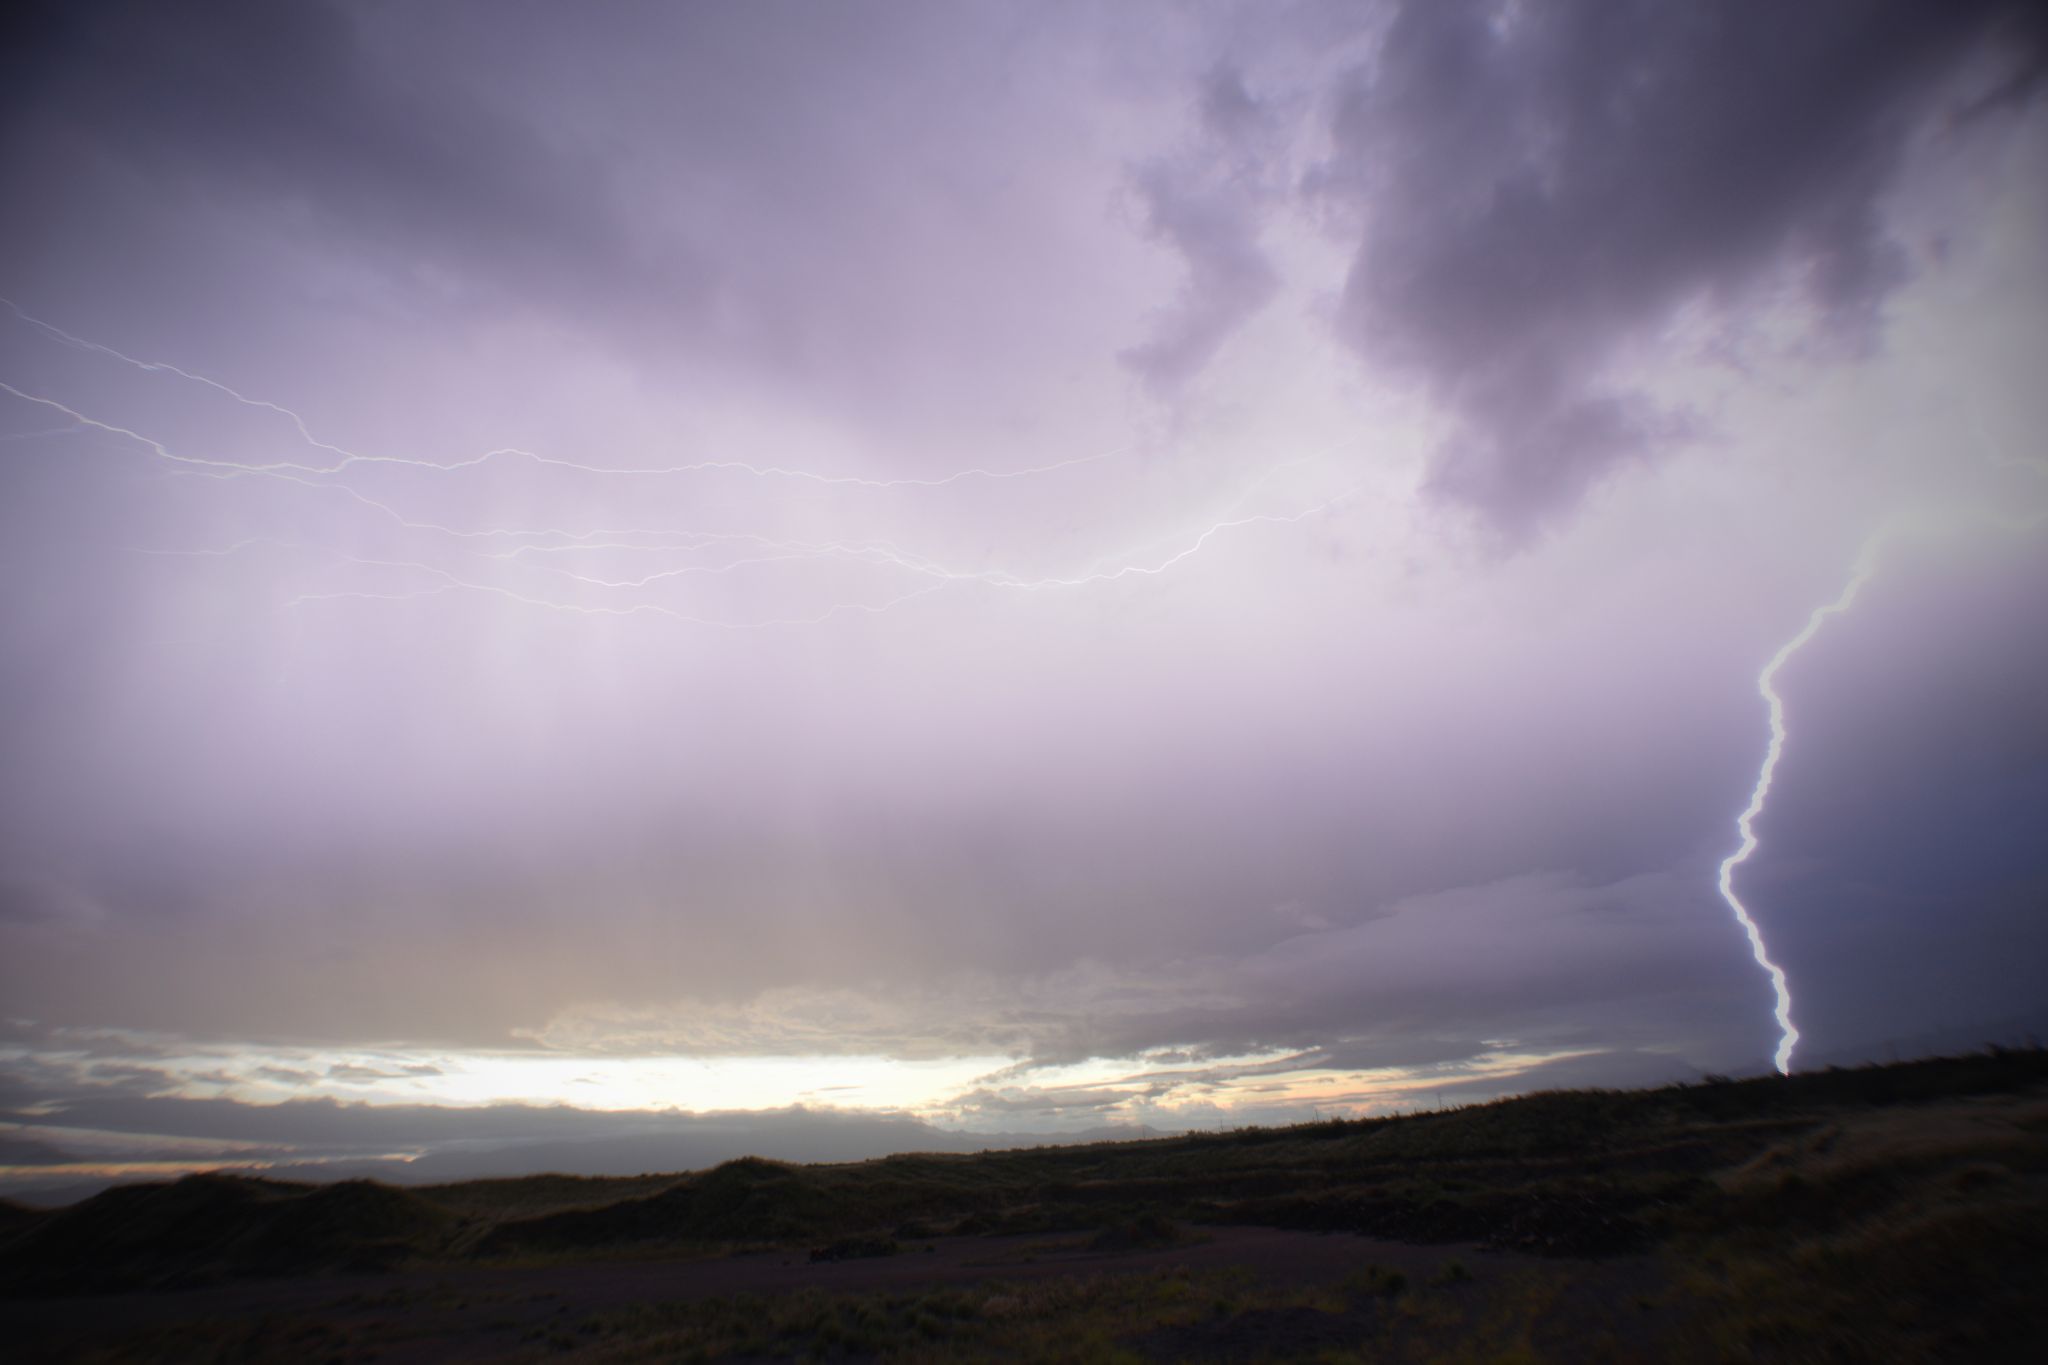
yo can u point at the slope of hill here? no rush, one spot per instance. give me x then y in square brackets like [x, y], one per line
[1892, 1212]
[207, 1227]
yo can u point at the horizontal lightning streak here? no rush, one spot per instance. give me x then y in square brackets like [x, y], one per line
[297, 474]
[454, 583]
[991, 578]
[761, 550]
[1142, 570]
[346, 458]
[161, 450]
[877, 552]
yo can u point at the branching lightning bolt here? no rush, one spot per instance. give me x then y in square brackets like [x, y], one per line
[346, 458]
[329, 479]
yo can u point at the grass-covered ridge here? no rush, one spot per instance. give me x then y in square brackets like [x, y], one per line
[1795, 1217]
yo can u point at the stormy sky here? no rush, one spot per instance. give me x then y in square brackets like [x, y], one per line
[607, 586]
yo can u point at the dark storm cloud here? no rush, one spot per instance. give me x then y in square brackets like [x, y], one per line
[287, 1075]
[1371, 1054]
[1605, 1068]
[35, 1036]
[280, 110]
[1542, 185]
[1206, 204]
[15, 1151]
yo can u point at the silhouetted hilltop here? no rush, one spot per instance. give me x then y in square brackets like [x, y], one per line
[16, 1218]
[1565, 1173]
[206, 1227]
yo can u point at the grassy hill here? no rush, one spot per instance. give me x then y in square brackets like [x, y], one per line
[1792, 1215]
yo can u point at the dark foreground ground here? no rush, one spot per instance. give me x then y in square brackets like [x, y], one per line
[1896, 1214]
[1240, 1293]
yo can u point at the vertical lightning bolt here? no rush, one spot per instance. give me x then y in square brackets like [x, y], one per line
[1766, 685]
[1745, 823]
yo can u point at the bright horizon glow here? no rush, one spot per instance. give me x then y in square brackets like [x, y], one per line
[930, 1089]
